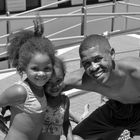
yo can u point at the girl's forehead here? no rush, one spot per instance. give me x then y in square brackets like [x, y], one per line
[58, 71]
[40, 58]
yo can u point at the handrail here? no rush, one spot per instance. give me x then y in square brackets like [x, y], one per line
[68, 15]
[112, 15]
[76, 25]
[100, 6]
[130, 4]
[67, 38]
[44, 22]
[77, 11]
[66, 29]
[81, 37]
[134, 18]
[116, 33]
[7, 70]
[73, 59]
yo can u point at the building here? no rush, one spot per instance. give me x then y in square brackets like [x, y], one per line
[23, 5]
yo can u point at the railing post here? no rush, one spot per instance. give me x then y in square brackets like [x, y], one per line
[8, 31]
[83, 22]
[113, 19]
[126, 20]
[84, 19]
[7, 26]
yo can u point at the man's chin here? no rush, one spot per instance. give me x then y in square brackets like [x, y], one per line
[102, 79]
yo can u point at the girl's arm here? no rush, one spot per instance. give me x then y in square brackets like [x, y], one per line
[69, 135]
[13, 95]
[67, 126]
[74, 117]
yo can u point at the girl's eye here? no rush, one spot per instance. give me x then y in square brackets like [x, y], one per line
[35, 69]
[59, 81]
[48, 69]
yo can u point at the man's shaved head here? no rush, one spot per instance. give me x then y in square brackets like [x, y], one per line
[93, 41]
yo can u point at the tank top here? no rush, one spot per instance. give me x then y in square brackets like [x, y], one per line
[54, 118]
[33, 103]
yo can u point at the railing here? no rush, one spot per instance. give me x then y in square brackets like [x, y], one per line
[84, 22]
[83, 28]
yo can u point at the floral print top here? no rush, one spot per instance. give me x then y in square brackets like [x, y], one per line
[53, 122]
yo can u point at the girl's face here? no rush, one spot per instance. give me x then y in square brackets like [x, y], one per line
[39, 69]
[55, 84]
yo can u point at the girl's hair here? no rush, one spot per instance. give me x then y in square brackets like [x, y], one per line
[60, 64]
[25, 43]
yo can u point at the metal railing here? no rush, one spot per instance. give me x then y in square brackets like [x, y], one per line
[84, 23]
[84, 14]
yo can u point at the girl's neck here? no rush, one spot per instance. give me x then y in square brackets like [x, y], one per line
[39, 91]
[54, 102]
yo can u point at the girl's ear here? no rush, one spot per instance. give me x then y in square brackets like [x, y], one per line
[112, 52]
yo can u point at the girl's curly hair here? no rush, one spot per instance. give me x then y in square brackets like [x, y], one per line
[25, 43]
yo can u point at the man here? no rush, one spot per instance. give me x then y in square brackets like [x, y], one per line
[118, 80]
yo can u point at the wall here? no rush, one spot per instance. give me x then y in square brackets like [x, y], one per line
[30, 4]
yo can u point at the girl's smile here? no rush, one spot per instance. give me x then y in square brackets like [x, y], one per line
[39, 69]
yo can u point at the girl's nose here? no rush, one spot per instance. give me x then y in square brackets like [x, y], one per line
[41, 73]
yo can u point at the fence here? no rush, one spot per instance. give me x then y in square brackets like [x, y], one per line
[84, 14]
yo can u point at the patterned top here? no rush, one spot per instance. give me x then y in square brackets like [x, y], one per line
[33, 103]
[54, 119]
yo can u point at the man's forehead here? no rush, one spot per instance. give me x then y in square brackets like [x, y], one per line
[89, 52]
[97, 48]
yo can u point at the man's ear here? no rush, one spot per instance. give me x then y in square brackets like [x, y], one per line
[112, 52]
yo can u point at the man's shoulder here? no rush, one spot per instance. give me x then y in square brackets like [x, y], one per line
[129, 65]
[129, 62]
[128, 59]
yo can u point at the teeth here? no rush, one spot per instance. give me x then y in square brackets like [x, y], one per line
[98, 74]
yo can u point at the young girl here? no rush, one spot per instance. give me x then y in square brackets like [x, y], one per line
[56, 122]
[32, 55]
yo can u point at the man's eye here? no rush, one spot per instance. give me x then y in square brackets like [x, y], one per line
[86, 64]
[97, 59]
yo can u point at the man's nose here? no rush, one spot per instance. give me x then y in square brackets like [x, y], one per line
[95, 66]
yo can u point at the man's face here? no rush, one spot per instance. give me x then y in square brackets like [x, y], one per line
[97, 63]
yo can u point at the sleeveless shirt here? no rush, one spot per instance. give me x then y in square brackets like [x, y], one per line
[33, 103]
[54, 118]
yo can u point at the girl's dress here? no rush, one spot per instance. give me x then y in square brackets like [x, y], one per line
[55, 118]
